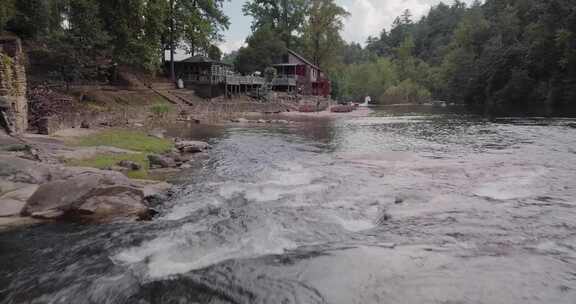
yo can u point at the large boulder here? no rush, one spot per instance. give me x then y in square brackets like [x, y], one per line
[192, 146]
[90, 196]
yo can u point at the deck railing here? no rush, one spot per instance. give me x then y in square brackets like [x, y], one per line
[285, 80]
[221, 78]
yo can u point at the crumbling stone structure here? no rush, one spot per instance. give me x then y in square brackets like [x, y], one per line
[13, 102]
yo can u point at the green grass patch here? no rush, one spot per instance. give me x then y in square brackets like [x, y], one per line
[123, 139]
[108, 160]
[126, 139]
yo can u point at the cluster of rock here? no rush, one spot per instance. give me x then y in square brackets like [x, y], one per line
[180, 157]
[38, 190]
[261, 121]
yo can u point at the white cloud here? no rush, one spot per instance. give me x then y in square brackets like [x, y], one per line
[231, 45]
[369, 17]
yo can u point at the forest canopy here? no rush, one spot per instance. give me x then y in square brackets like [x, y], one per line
[500, 52]
[131, 32]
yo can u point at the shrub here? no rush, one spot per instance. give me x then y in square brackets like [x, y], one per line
[160, 110]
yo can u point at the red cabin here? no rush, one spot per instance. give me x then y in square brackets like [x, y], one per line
[296, 74]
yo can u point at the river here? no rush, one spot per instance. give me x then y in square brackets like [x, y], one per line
[407, 205]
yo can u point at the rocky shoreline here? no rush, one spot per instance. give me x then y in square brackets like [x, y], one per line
[36, 186]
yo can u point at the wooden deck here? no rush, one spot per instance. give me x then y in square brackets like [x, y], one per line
[217, 76]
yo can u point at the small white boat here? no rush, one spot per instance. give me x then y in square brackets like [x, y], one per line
[366, 103]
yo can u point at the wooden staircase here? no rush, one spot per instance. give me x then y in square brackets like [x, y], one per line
[169, 92]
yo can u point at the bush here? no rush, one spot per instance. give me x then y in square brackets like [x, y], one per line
[270, 73]
[160, 110]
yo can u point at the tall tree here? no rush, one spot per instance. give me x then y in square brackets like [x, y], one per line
[322, 40]
[379, 46]
[31, 18]
[285, 17]
[200, 23]
[214, 53]
[263, 49]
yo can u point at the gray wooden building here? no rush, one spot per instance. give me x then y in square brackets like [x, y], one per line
[211, 78]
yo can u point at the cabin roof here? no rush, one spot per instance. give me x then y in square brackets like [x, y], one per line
[203, 59]
[303, 59]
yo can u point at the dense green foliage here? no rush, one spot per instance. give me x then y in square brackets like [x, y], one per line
[284, 17]
[131, 32]
[505, 53]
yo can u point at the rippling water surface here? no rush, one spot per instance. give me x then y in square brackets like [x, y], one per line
[407, 205]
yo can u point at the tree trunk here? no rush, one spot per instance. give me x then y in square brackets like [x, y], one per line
[172, 50]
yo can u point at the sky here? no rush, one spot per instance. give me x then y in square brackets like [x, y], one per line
[368, 18]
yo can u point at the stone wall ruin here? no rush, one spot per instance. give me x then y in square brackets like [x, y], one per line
[13, 102]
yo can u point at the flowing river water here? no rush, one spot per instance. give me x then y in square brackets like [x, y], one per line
[403, 206]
